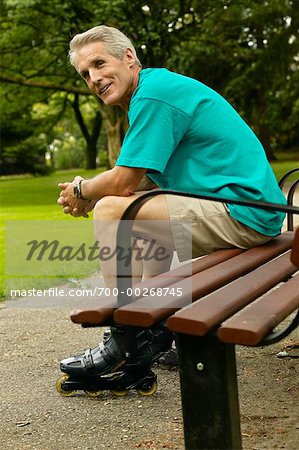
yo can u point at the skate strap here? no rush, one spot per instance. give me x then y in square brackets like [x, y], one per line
[88, 359]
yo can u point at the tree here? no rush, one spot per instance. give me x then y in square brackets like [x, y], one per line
[157, 30]
[268, 50]
[34, 44]
[21, 150]
[246, 49]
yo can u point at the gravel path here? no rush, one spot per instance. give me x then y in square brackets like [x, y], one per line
[35, 417]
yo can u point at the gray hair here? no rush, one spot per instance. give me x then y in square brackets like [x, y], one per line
[115, 41]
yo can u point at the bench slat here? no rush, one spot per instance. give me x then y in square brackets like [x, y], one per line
[97, 316]
[251, 325]
[148, 311]
[200, 317]
[186, 270]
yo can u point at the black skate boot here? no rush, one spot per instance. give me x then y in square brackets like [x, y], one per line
[168, 360]
[120, 345]
[123, 362]
[109, 355]
[161, 343]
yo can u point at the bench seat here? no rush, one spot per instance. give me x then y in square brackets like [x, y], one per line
[205, 276]
[98, 316]
[149, 311]
[253, 323]
[202, 316]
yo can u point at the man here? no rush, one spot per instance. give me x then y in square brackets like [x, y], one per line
[183, 136]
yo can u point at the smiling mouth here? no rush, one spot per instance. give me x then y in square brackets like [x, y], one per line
[105, 88]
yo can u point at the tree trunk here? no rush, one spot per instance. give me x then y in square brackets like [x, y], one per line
[116, 124]
[91, 155]
[263, 128]
[90, 138]
[265, 138]
[261, 109]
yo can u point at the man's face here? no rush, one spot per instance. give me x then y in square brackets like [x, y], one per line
[109, 78]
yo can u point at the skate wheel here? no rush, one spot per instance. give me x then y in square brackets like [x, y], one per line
[150, 391]
[60, 389]
[119, 393]
[93, 394]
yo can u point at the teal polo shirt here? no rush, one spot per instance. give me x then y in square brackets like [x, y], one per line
[191, 139]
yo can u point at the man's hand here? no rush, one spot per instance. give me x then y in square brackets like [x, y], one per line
[71, 204]
[120, 181]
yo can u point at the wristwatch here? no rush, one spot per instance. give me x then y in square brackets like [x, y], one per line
[78, 190]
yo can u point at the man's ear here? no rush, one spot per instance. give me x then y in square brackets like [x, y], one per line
[130, 57]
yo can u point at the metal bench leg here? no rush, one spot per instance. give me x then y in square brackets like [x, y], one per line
[209, 393]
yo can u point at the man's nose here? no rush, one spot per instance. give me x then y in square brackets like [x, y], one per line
[95, 76]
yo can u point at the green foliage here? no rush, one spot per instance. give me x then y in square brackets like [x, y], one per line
[27, 157]
[68, 153]
[22, 150]
[38, 78]
[245, 49]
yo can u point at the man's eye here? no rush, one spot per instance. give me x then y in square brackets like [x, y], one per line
[85, 75]
[99, 63]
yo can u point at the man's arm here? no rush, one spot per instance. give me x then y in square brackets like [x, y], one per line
[146, 184]
[120, 181]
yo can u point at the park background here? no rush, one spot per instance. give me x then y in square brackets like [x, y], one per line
[52, 128]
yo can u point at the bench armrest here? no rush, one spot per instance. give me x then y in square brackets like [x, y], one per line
[295, 249]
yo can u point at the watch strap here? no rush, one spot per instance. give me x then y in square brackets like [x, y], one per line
[78, 190]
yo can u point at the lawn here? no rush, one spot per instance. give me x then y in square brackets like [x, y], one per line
[31, 198]
[281, 167]
[34, 198]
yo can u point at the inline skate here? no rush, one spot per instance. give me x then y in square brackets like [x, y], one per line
[122, 362]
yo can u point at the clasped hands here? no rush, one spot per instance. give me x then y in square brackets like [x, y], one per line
[70, 203]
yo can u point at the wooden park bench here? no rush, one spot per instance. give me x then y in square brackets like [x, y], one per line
[239, 297]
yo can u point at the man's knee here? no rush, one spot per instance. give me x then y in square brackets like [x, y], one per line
[110, 207]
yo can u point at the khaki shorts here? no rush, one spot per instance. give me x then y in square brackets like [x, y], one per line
[200, 227]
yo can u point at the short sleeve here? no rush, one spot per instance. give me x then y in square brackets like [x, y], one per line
[155, 130]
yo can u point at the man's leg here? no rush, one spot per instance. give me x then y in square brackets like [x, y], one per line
[151, 230]
[152, 225]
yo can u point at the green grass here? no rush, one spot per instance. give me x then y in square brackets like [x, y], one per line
[281, 167]
[31, 198]
[34, 198]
